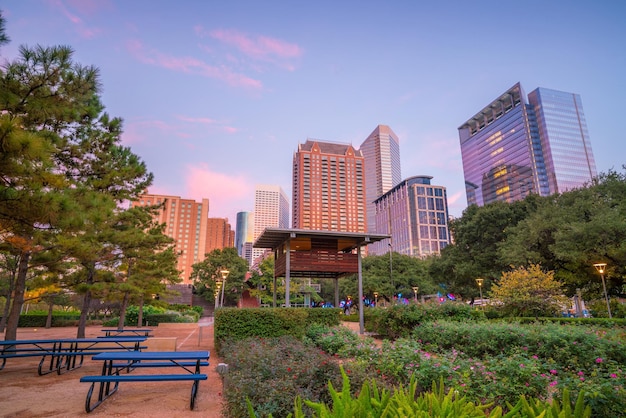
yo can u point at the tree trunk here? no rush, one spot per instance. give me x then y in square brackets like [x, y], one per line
[82, 322]
[140, 314]
[18, 297]
[49, 318]
[7, 305]
[120, 324]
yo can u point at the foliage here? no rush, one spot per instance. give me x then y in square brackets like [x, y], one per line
[405, 402]
[206, 272]
[399, 320]
[272, 372]
[529, 292]
[498, 362]
[236, 324]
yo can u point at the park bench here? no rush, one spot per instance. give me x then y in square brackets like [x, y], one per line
[64, 354]
[114, 362]
[138, 332]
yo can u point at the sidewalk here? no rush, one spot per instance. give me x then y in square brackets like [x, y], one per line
[26, 394]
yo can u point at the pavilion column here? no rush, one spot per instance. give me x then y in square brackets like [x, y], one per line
[275, 258]
[336, 292]
[361, 321]
[287, 273]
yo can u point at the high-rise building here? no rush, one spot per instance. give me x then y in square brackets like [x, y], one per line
[381, 151]
[219, 234]
[271, 210]
[244, 231]
[514, 147]
[328, 187]
[187, 222]
[415, 214]
[564, 139]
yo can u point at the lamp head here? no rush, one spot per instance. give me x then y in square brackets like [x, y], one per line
[479, 282]
[600, 267]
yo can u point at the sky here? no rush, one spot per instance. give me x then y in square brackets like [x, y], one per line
[217, 95]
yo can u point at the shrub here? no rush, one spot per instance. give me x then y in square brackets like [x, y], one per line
[404, 401]
[233, 323]
[272, 372]
[399, 320]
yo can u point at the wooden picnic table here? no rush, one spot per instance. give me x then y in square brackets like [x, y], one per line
[186, 363]
[64, 353]
[139, 332]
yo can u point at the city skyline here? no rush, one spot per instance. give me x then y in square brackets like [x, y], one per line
[216, 97]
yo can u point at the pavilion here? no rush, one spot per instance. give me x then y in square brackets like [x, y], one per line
[317, 254]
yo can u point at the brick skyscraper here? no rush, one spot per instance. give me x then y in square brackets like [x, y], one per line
[328, 187]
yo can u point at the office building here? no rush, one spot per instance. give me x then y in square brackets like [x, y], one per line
[271, 210]
[244, 231]
[381, 151]
[415, 214]
[328, 187]
[517, 146]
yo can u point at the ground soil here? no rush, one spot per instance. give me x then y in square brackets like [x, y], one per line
[25, 394]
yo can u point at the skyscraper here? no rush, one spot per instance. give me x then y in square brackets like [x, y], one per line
[328, 187]
[514, 147]
[244, 230]
[381, 151]
[415, 214]
[187, 222]
[564, 139]
[271, 209]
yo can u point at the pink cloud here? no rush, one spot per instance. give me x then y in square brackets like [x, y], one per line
[209, 121]
[88, 7]
[139, 131]
[227, 194]
[191, 65]
[259, 47]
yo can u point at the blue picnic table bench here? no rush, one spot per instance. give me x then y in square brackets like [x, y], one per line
[186, 363]
[117, 332]
[65, 353]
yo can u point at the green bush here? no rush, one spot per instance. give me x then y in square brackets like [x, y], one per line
[236, 324]
[399, 320]
[405, 402]
[272, 372]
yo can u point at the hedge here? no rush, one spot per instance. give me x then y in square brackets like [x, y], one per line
[237, 324]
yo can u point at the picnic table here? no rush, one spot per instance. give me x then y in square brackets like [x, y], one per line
[64, 353]
[186, 363]
[116, 332]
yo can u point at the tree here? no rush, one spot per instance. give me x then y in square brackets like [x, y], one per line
[477, 237]
[572, 231]
[206, 272]
[147, 256]
[65, 172]
[529, 291]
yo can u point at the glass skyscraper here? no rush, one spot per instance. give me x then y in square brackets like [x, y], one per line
[514, 146]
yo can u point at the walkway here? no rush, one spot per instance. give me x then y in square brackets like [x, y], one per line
[25, 394]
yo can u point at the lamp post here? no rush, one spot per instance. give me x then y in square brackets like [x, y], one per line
[375, 299]
[601, 268]
[224, 273]
[480, 288]
[415, 289]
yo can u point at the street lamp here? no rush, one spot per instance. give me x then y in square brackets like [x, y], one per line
[224, 273]
[480, 288]
[375, 299]
[415, 289]
[601, 268]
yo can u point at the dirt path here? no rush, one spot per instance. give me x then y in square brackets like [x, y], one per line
[24, 394]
